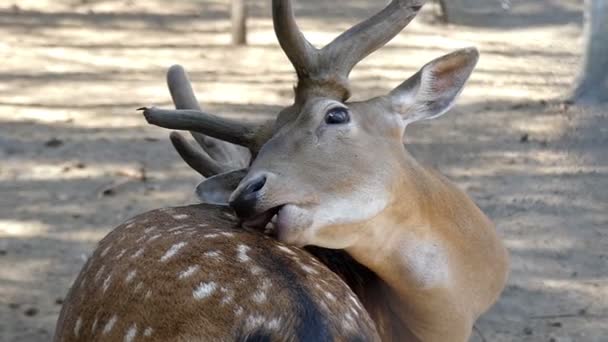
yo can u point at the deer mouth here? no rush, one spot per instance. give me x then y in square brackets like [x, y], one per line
[264, 222]
[282, 222]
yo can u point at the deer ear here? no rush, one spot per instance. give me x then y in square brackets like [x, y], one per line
[433, 90]
[217, 189]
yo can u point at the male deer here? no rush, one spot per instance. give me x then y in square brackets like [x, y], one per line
[335, 174]
[192, 274]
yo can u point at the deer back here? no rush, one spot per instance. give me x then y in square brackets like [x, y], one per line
[190, 273]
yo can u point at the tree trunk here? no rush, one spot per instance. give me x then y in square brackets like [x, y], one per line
[239, 18]
[591, 85]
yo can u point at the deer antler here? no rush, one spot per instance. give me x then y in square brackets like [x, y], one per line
[324, 71]
[331, 65]
[215, 156]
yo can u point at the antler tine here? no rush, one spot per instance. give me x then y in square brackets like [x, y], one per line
[181, 88]
[197, 159]
[328, 68]
[224, 155]
[366, 37]
[298, 49]
[205, 123]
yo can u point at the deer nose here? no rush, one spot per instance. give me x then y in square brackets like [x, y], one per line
[244, 201]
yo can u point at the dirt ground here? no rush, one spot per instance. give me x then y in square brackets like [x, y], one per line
[76, 159]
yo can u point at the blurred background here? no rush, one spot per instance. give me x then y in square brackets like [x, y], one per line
[528, 138]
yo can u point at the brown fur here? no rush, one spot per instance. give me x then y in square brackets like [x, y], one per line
[156, 298]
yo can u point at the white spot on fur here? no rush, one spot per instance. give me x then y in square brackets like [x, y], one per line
[129, 226]
[94, 326]
[177, 228]
[138, 287]
[108, 327]
[330, 296]
[130, 276]
[154, 237]
[274, 324]
[213, 254]
[242, 253]
[141, 238]
[309, 269]
[105, 251]
[259, 296]
[229, 215]
[138, 253]
[77, 326]
[106, 283]
[130, 335]
[172, 251]
[180, 216]
[253, 322]
[355, 301]
[188, 272]
[148, 332]
[204, 290]
[348, 323]
[255, 270]
[147, 230]
[226, 234]
[229, 294]
[99, 272]
[211, 235]
[120, 254]
[239, 310]
[286, 250]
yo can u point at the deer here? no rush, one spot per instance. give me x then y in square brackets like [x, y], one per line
[192, 273]
[335, 174]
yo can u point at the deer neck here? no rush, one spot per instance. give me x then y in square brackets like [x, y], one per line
[407, 246]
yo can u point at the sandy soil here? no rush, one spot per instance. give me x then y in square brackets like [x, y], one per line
[76, 159]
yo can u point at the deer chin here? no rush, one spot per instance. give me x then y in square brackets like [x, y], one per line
[292, 223]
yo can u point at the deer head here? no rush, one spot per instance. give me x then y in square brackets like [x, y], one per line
[325, 162]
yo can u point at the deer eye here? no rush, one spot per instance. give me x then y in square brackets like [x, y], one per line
[336, 116]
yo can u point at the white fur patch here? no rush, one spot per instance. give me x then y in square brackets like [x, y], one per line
[180, 216]
[148, 332]
[105, 251]
[130, 276]
[152, 238]
[94, 326]
[188, 272]
[213, 254]
[425, 263]
[138, 253]
[242, 253]
[108, 327]
[77, 326]
[204, 290]
[172, 251]
[358, 205]
[106, 283]
[130, 335]
[286, 250]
